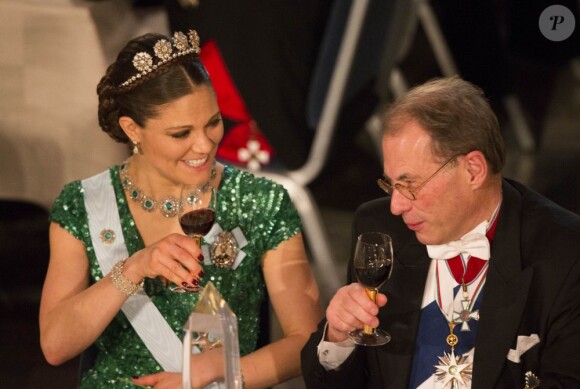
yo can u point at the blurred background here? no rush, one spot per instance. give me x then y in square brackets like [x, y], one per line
[307, 78]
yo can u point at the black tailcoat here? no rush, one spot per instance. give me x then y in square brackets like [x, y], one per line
[532, 287]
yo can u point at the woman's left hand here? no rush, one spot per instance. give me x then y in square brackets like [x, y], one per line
[209, 365]
[163, 380]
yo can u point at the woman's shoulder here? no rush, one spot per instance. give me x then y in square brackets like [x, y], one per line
[246, 181]
[263, 203]
[257, 195]
[72, 192]
[68, 210]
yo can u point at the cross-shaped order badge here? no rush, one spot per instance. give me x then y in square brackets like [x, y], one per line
[465, 315]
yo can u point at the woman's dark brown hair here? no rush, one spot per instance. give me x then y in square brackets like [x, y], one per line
[141, 98]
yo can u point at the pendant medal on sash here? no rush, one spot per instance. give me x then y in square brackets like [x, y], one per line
[456, 371]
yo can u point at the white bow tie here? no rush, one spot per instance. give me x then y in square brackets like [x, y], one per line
[474, 243]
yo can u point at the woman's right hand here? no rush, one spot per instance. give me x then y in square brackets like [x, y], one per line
[176, 258]
[349, 309]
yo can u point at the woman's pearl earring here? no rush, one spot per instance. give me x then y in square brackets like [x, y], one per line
[136, 147]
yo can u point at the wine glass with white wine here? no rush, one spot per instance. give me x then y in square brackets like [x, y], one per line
[372, 263]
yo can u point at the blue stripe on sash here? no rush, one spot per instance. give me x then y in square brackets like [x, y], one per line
[430, 342]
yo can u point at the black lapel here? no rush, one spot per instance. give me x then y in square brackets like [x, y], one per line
[505, 294]
[401, 316]
[405, 292]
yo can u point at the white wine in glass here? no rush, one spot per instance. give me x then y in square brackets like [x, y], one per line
[372, 263]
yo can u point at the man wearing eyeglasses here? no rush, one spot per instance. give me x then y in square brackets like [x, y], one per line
[485, 290]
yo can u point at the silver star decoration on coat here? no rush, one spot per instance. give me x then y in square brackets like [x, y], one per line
[453, 371]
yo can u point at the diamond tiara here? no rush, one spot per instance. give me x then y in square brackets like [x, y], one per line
[143, 62]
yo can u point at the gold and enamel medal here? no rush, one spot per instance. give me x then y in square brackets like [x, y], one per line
[454, 372]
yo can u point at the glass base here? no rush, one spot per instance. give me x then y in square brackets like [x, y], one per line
[377, 338]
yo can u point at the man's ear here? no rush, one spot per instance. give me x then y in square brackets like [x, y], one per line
[130, 128]
[477, 168]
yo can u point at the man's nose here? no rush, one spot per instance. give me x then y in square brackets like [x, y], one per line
[399, 203]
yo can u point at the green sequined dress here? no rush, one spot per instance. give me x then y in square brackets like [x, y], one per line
[263, 211]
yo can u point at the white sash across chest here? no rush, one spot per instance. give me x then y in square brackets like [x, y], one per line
[150, 325]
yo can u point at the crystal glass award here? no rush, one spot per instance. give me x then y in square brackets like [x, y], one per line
[212, 324]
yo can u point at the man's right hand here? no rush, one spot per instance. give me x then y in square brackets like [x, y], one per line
[349, 309]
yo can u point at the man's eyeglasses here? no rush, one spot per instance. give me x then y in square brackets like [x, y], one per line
[410, 193]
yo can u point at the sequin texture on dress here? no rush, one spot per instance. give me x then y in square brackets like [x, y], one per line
[260, 207]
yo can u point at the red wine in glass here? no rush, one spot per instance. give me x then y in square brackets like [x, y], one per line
[196, 217]
[372, 264]
[197, 222]
[374, 275]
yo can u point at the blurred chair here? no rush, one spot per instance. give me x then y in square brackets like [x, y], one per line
[56, 52]
[423, 14]
[49, 133]
[361, 40]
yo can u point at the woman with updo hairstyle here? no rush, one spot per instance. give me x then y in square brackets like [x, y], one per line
[119, 256]
[166, 84]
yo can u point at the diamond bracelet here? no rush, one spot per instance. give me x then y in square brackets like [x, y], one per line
[122, 283]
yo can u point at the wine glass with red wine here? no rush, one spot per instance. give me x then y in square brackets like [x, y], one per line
[196, 216]
[373, 263]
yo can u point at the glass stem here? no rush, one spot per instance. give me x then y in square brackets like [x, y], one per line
[372, 293]
[197, 239]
